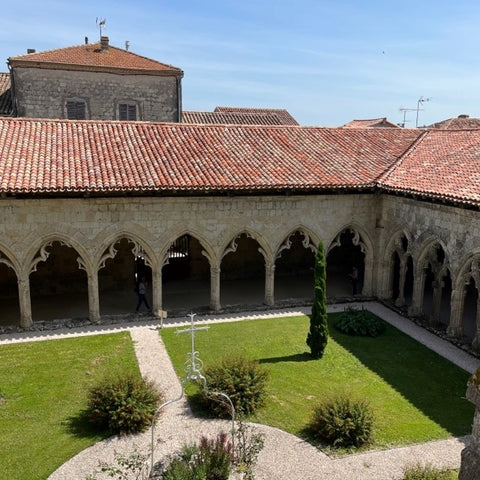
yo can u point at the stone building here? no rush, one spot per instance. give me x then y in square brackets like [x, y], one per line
[207, 211]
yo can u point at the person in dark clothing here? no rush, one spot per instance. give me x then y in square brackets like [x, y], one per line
[141, 292]
[354, 280]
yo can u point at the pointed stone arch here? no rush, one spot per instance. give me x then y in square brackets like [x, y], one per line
[243, 263]
[294, 264]
[56, 269]
[9, 289]
[350, 247]
[188, 266]
[465, 316]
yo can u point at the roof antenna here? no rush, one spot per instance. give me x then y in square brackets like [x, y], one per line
[127, 45]
[101, 24]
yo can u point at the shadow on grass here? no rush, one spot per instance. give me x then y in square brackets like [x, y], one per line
[297, 357]
[81, 427]
[429, 382]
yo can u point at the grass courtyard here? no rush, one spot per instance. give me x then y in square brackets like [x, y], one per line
[416, 395]
[43, 389]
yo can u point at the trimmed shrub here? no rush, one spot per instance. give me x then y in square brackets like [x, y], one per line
[343, 422]
[359, 322]
[425, 472]
[243, 380]
[123, 404]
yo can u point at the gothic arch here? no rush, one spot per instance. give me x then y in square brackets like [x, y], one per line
[311, 240]
[361, 239]
[230, 245]
[9, 287]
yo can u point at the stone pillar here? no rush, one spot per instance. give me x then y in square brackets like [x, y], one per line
[269, 283]
[25, 302]
[215, 288]
[476, 340]
[384, 279]
[416, 308]
[470, 466]
[93, 298]
[455, 327]
[157, 292]
[367, 288]
[401, 283]
[436, 302]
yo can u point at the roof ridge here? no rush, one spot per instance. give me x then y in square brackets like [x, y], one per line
[386, 174]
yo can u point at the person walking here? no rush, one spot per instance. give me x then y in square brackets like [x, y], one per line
[141, 292]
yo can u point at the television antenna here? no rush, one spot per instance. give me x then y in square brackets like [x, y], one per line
[101, 24]
[404, 111]
[420, 101]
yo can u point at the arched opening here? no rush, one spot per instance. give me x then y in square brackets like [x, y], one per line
[9, 301]
[294, 269]
[409, 276]
[445, 303]
[428, 285]
[186, 276]
[470, 311]
[345, 256]
[242, 278]
[118, 279]
[58, 287]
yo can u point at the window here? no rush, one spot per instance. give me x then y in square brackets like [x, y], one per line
[127, 111]
[76, 110]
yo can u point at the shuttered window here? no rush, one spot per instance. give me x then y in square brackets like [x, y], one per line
[127, 111]
[76, 110]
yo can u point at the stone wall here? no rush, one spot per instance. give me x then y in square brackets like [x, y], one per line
[43, 93]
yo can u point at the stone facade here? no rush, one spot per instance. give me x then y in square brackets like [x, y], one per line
[43, 93]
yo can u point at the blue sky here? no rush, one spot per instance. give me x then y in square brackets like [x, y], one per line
[327, 62]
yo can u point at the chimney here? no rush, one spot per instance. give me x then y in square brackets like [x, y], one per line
[86, 40]
[30, 50]
[103, 44]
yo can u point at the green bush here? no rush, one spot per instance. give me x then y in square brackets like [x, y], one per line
[211, 459]
[123, 404]
[343, 422]
[359, 322]
[425, 472]
[243, 380]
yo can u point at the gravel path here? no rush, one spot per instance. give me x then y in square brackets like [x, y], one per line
[285, 457]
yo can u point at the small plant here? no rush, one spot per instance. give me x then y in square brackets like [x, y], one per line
[425, 472]
[243, 380]
[359, 322]
[123, 404]
[248, 445]
[343, 422]
[211, 459]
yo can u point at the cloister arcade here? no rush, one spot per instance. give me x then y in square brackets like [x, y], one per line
[59, 278]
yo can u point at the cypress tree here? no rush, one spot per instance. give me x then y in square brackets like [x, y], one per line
[318, 334]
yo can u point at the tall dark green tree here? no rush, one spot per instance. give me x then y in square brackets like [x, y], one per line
[318, 335]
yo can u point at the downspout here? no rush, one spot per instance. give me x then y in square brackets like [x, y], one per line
[12, 91]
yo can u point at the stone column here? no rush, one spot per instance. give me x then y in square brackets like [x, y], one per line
[367, 287]
[157, 298]
[416, 307]
[269, 283]
[93, 297]
[384, 280]
[25, 302]
[476, 340]
[455, 327]
[469, 469]
[215, 288]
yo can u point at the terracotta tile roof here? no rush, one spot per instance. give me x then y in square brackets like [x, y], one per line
[283, 115]
[459, 123]
[91, 57]
[5, 98]
[442, 165]
[233, 118]
[372, 123]
[38, 156]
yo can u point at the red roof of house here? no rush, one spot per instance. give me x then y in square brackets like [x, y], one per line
[441, 164]
[232, 118]
[371, 123]
[92, 156]
[93, 58]
[461, 122]
[283, 116]
[5, 97]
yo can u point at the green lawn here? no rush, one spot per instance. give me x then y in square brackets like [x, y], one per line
[43, 387]
[416, 395]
